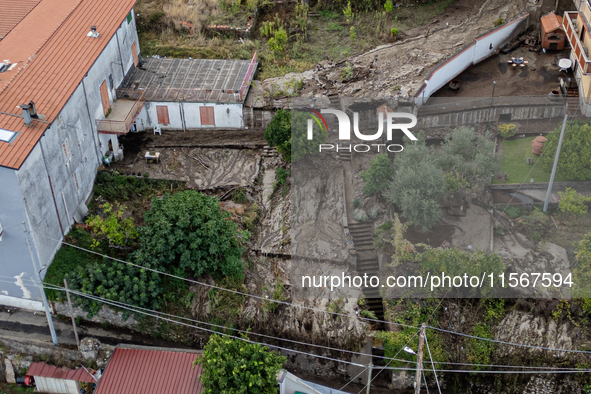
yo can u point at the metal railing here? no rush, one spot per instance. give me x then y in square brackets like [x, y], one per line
[123, 126]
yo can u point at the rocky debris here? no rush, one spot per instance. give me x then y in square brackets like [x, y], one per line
[89, 348]
[234, 208]
[10, 376]
[398, 69]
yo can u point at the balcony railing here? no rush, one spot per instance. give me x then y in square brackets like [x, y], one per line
[578, 49]
[123, 114]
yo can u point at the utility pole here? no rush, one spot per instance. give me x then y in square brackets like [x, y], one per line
[369, 370]
[556, 159]
[41, 290]
[72, 313]
[420, 359]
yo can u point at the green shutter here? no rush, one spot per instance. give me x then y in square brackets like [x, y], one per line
[129, 17]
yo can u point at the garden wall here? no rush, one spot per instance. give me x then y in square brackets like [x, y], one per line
[482, 47]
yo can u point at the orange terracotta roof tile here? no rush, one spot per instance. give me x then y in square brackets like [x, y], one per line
[12, 12]
[551, 22]
[53, 54]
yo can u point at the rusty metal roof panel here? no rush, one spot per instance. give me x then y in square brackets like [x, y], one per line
[189, 80]
[142, 371]
[50, 371]
[54, 54]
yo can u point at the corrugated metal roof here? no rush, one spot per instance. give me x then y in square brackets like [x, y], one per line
[12, 12]
[189, 80]
[551, 22]
[53, 55]
[50, 371]
[139, 371]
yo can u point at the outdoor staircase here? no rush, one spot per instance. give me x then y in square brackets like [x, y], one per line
[344, 155]
[270, 152]
[367, 263]
[572, 99]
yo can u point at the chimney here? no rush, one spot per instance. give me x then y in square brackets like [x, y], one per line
[26, 113]
[33, 110]
[93, 33]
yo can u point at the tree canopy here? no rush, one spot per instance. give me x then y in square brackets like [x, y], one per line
[189, 232]
[233, 366]
[378, 175]
[575, 156]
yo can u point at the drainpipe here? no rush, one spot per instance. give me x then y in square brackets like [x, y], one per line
[99, 154]
[120, 55]
[183, 120]
[51, 188]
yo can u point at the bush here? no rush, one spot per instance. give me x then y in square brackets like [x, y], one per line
[115, 281]
[377, 176]
[357, 203]
[281, 176]
[352, 33]
[573, 202]
[279, 130]
[189, 232]
[278, 41]
[499, 22]
[233, 366]
[507, 130]
[115, 229]
[514, 212]
[575, 157]
[239, 196]
[394, 32]
[368, 314]
[388, 6]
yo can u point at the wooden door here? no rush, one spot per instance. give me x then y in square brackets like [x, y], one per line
[134, 53]
[105, 97]
[162, 112]
[207, 116]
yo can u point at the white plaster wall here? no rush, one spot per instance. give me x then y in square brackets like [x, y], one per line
[478, 51]
[27, 194]
[227, 116]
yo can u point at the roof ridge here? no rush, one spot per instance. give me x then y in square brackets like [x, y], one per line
[37, 50]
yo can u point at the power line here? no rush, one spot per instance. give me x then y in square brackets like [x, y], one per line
[432, 365]
[154, 314]
[512, 343]
[222, 288]
[54, 287]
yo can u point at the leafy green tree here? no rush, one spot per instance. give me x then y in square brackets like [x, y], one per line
[278, 41]
[417, 185]
[232, 366]
[468, 154]
[575, 155]
[278, 132]
[573, 202]
[115, 281]
[378, 175]
[582, 271]
[300, 145]
[188, 233]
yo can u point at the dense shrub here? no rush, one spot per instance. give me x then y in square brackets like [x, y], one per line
[377, 176]
[575, 156]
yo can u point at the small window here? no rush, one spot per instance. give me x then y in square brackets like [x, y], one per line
[111, 81]
[6, 135]
[67, 152]
[504, 117]
[76, 180]
[129, 17]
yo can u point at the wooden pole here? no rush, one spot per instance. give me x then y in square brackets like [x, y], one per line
[72, 314]
[420, 359]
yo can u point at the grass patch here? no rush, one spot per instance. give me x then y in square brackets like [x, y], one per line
[6, 388]
[515, 154]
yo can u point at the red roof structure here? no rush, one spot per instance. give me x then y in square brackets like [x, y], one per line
[551, 22]
[143, 371]
[12, 12]
[49, 371]
[52, 54]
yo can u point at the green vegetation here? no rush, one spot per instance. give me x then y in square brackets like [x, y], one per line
[377, 176]
[278, 133]
[507, 130]
[582, 271]
[188, 233]
[499, 22]
[9, 388]
[515, 154]
[239, 196]
[114, 228]
[115, 281]
[281, 176]
[233, 366]
[575, 156]
[225, 306]
[279, 294]
[424, 175]
[478, 351]
[573, 202]
[116, 187]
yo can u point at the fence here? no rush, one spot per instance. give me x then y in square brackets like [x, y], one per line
[123, 126]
